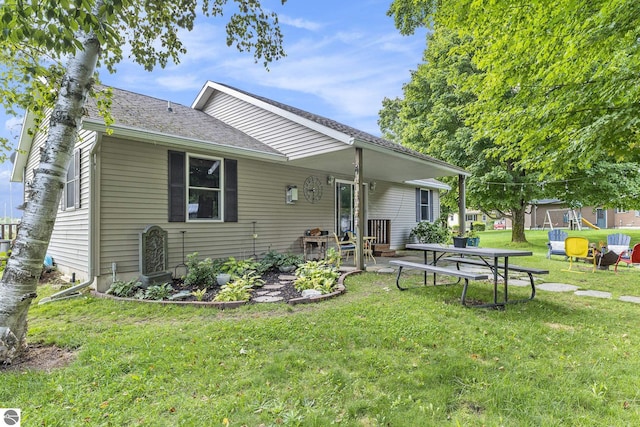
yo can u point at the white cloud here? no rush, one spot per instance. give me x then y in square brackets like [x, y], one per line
[13, 124]
[299, 23]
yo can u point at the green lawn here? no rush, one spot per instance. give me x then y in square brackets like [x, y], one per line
[372, 357]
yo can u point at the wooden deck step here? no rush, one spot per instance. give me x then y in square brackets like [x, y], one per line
[387, 253]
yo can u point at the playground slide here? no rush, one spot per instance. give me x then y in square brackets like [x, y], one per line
[588, 224]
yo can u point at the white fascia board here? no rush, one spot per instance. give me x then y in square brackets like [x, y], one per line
[451, 170]
[210, 87]
[434, 184]
[157, 137]
[24, 148]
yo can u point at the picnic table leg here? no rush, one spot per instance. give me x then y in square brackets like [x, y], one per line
[464, 292]
[495, 280]
[506, 278]
[398, 279]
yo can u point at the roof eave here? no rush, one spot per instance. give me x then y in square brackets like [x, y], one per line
[448, 169]
[210, 87]
[24, 148]
[158, 137]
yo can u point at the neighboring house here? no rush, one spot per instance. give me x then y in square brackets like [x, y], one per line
[224, 175]
[554, 213]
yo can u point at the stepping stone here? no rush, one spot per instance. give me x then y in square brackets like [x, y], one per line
[286, 277]
[386, 270]
[268, 299]
[519, 282]
[557, 287]
[273, 287]
[595, 294]
[628, 298]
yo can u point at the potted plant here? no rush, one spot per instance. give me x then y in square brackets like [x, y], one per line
[472, 238]
[460, 241]
[430, 232]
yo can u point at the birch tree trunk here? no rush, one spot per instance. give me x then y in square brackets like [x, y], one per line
[19, 284]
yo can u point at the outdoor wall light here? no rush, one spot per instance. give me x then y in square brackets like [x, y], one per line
[330, 179]
[372, 185]
[291, 194]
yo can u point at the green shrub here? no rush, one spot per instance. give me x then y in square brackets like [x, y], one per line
[158, 292]
[237, 268]
[479, 226]
[290, 259]
[199, 294]
[318, 275]
[201, 273]
[270, 260]
[234, 291]
[430, 232]
[333, 257]
[124, 289]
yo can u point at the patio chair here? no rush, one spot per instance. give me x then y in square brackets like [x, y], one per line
[367, 250]
[556, 243]
[632, 257]
[578, 247]
[619, 243]
[345, 247]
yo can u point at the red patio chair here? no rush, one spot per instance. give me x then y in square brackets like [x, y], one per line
[629, 258]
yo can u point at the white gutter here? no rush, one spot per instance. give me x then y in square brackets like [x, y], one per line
[435, 163]
[158, 137]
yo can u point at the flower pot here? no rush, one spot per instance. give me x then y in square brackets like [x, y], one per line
[473, 241]
[460, 242]
[223, 278]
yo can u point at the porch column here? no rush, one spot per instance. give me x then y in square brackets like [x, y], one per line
[462, 204]
[359, 209]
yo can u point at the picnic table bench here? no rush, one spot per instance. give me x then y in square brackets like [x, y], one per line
[429, 268]
[521, 269]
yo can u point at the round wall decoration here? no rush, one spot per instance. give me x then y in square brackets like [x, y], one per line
[312, 189]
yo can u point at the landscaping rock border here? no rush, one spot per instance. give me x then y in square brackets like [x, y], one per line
[340, 289]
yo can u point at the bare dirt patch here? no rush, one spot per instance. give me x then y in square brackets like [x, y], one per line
[40, 357]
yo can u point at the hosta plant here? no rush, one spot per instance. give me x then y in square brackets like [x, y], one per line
[318, 275]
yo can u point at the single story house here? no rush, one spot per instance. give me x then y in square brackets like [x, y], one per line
[235, 174]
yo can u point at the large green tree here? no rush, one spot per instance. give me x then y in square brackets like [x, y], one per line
[559, 82]
[516, 100]
[432, 118]
[49, 53]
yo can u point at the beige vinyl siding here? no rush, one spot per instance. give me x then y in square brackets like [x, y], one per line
[398, 204]
[286, 136]
[134, 181]
[70, 238]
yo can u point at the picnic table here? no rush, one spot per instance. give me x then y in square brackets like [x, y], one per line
[496, 259]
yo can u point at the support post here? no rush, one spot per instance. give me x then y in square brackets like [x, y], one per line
[462, 204]
[359, 209]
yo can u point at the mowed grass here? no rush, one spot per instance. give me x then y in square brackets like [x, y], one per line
[372, 357]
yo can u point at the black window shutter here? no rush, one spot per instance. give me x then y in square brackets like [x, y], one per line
[230, 190]
[177, 187]
[418, 210]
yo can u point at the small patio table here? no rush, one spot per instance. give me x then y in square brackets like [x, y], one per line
[489, 256]
[322, 241]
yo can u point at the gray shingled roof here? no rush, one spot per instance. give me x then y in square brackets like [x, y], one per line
[347, 130]
[136, 111]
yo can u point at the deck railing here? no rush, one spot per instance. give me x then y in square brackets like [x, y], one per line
[380, 229]
[8, 231]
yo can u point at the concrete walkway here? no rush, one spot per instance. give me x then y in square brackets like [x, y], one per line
[382, 266]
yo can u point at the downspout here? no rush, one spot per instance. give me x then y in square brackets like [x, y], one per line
[74, 291]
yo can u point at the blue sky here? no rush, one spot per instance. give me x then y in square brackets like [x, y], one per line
[342, 59]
